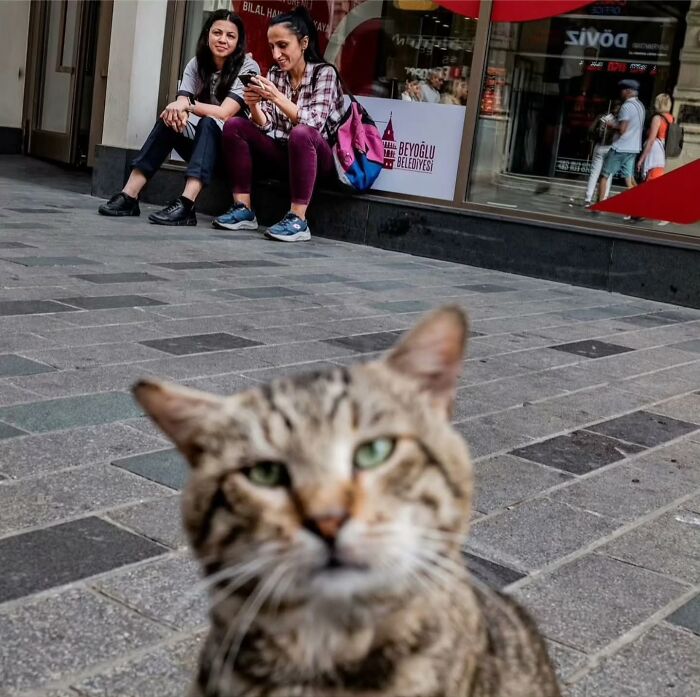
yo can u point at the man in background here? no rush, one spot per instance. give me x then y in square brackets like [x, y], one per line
[627, 141]
[431, 89]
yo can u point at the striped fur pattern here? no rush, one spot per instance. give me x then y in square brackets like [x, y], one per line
[328, 512]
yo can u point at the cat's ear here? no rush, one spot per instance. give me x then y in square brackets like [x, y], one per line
[432, 353]
[178, 411]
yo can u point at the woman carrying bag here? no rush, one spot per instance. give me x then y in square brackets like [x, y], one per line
[294, 111]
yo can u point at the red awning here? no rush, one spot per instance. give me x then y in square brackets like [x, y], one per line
[515, 10]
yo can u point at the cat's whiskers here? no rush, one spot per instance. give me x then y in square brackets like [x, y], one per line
[231, 644]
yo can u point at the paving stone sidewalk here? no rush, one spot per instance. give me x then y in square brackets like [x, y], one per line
[582, 409]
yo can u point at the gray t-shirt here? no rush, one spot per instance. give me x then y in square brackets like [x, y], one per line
[633, 112]
[191, 84]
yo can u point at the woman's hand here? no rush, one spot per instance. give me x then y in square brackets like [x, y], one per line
[265, 90]
[175, 116]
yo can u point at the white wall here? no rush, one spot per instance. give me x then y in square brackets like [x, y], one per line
[133, 78]
[14, 30]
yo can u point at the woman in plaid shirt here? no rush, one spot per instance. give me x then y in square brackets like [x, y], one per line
[293, 112]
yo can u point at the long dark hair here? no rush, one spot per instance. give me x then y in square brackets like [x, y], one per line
[205, 61]
[300, 23]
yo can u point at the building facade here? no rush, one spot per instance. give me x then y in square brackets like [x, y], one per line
[505, 137]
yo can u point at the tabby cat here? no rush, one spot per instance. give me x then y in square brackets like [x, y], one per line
[329, 512]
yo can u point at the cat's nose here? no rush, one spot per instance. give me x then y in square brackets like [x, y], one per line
[326, 527]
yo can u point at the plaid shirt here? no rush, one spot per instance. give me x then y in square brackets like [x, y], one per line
[321, 108]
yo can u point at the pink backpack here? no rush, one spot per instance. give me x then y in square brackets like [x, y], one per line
[358, 149]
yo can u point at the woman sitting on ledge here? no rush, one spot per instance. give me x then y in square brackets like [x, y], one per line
[209, 94]
[293, 113]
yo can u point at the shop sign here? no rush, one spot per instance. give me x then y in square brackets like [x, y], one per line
[612, 38]
[421, 146]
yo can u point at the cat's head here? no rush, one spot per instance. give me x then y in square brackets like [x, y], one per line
[339, 485]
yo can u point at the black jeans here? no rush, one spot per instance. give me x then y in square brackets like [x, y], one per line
[201, 153]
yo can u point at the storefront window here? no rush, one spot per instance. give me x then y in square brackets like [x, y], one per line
[408, 61]
[547, 84]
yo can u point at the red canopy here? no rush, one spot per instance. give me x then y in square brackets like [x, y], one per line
[515, 10]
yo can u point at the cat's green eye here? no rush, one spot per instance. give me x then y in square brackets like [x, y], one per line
[374, 453]
[269, 474]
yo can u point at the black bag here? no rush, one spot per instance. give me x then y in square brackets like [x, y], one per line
[674, 138]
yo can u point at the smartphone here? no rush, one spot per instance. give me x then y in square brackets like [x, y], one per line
[247, 78]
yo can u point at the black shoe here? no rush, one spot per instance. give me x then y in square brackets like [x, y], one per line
[178, 212]
[120, 205]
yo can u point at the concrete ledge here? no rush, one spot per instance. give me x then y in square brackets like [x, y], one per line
[643, 269]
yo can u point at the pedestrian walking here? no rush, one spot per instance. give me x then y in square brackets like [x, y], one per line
[210, 93]
[602, 138]
[627, 141]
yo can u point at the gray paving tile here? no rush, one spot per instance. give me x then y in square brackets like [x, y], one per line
[11, 364]
[664, 662]
[265, 292]
[644, 428]
[32, 307]
[505, 480]
[37, 454]
[678, 461]
[55, 414]
[68, 494]
[163, 590]
[104, 302]
[67, 552]
[578, 452]
[669, 544]
[649, 320]
[166, 467]
[249, 263]
[200, 343]
[625, 492]
[565, 661]
[364, 343]
[692, 345]
[7, 431]
[159, 520]
[317, 278]
[378, 286]
[592, 348]
[186, 265]
[65, 634]
[51, 261]
[162, 671]
[685, 408]
[402, 306]
[569, 606]
[123, 277]
[486, 288]
[493, 575]
[27, 226]
[688, 616]
[7, 244]
[294, 254]
[536, 533]
[484, 438]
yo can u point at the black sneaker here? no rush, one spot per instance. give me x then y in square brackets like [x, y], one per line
[120, 205]
[175, 213]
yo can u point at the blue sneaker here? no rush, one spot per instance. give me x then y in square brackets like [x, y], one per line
[290, 229]
[238, 217]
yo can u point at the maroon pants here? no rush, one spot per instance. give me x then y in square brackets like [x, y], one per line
[306, 151]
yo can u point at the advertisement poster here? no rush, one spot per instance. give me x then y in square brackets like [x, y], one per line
[421, 146]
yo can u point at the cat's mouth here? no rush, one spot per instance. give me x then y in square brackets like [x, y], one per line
[335, 564]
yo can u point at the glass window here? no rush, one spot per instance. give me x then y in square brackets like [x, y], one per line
[408, 62]
[550, 86]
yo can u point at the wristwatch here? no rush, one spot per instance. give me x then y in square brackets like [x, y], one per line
[191, 103]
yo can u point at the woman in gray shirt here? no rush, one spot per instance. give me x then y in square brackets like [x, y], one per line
[210, 92]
